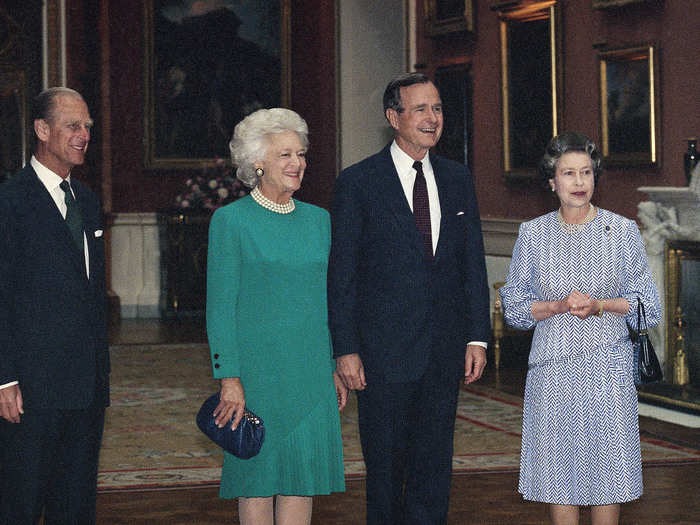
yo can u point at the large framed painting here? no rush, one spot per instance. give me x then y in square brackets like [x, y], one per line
[209, 63]
[629, 105]
[456, 90]
[531, 83]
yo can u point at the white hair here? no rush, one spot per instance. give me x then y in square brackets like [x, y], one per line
[249, 142]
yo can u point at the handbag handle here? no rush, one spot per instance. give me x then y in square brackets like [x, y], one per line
[641, 315]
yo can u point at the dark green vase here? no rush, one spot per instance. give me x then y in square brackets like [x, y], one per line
[691, 158]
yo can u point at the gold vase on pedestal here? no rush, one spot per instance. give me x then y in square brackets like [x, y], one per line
[681, 375]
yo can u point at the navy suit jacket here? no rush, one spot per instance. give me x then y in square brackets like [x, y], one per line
[387, 302]
[53, 335]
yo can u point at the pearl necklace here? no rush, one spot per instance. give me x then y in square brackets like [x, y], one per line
[576, 228]
[270, 204]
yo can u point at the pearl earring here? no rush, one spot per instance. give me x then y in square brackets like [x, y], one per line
[259, 172]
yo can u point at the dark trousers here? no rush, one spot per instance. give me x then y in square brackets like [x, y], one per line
[49, 463]
[406, 431]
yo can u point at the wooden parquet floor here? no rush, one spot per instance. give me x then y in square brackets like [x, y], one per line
[672, 493]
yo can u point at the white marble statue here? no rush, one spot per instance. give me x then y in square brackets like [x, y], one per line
[660, 224]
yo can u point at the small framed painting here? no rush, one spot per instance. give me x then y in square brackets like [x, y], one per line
[629, 105]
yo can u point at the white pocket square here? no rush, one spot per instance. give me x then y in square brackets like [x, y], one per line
[98, 233]
[460, 213]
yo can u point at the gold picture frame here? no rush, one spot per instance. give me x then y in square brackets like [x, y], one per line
[629, 105]
[531, 83]
[449, 17]
[206, 70]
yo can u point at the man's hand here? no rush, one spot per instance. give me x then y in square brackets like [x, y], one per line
[474, 363]
[11, 405]
[349, 368]
[232, 402]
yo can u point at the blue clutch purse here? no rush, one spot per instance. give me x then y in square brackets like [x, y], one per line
[244, 442]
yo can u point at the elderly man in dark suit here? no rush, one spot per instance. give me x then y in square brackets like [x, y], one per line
[54, 361]
[408, 305]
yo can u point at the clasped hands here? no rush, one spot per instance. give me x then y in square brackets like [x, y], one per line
[582, 305]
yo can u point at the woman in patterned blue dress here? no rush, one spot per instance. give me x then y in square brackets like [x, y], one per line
[576, 276]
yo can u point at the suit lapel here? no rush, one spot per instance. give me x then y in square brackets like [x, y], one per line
[50, 218]
[445, 196]
[90, 224]
[392, 197]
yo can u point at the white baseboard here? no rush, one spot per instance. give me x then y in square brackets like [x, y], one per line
[670, 416]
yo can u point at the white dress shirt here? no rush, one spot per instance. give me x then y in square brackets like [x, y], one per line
[407, 175]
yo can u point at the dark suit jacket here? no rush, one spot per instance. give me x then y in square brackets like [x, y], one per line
[53, 336]
[386, 301]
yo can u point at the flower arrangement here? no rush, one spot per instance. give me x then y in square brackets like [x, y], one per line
[212, 188]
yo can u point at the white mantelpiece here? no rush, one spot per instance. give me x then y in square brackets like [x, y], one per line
[670, 214]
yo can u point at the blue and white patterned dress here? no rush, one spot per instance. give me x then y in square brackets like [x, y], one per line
[580, 439]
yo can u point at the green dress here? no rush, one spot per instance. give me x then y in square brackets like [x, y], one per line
[267, 323]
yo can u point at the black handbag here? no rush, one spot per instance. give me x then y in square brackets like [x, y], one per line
[646, 365]
[244, 442]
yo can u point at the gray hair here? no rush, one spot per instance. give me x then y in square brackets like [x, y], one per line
[44, 105]
[565, 143]
[249, 143]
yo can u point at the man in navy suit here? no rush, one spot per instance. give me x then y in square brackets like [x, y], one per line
[54, 360]
[408, 305]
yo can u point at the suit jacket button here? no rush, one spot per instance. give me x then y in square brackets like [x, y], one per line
[217, 365]
[216, 356]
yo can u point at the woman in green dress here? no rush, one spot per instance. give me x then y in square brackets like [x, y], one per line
[267, 326]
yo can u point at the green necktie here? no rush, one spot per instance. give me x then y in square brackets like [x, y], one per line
[74, 220]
